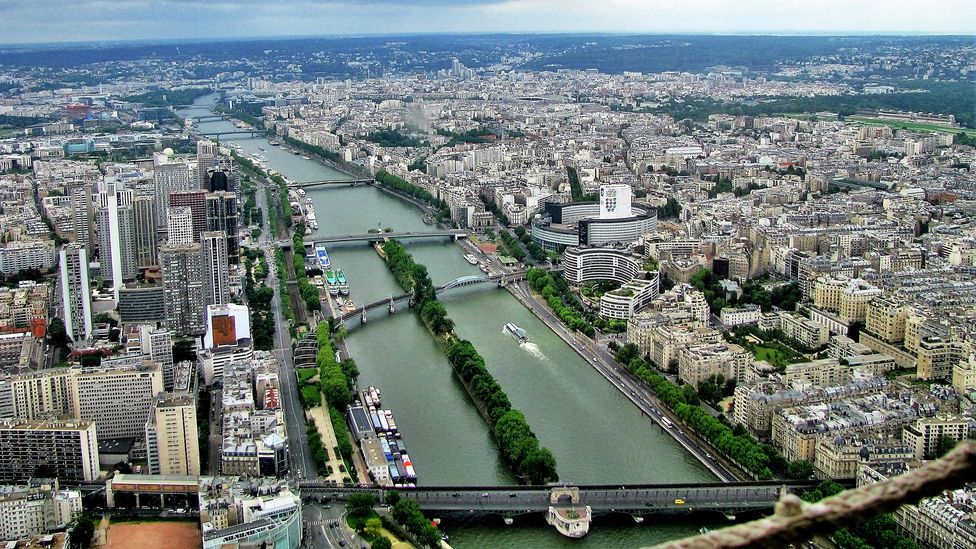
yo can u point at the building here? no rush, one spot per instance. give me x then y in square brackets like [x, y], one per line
[65, 449]
[116, 236]
[222, 216]
[172, 441]
[584, 263]
[197, 202]
[207, 156]
[40, 394]
[938, 356]
[840, 457]
[118, 395]
[145, 228]
[156, 343]
[613, 219]
[169, 178]
[76, 294]
[633, 296]
[964, 376]
[215, 267]
[184, 288]
[696, 363]
[36, 508]
[29, 254]
[923, 436]
[738, 316]
[847, 297]
[227, 325]
[237, 512]
[83, 218]
[179, 226]
[885, 319]
[142, 303]
[808, 332]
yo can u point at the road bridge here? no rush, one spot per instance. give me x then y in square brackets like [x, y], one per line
[728, 498]
[208, 117]
[323, 182]
[311, 241]
[395, 303]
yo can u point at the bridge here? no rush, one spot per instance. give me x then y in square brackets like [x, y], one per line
[323, 182]
[379, 237]
[728, 498]
[209, 117]
[393, 302]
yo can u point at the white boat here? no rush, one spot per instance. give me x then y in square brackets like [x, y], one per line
[470, 258]
[516, 332]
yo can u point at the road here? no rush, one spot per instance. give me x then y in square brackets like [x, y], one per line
[216, 439]
[325, 526]
[600, 358]
[302, 464]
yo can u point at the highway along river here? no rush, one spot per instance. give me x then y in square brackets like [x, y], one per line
[595, 433]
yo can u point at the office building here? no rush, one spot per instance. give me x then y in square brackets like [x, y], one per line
[171, 435]
[184, 288]
[67, 450]
[76, 293]
[156, 343]
[145, 228]
[83, 217]
[179, 226]
[197, 202]
[169, 178]
[118, 395]
[29, 254]
[142, 303]
[213, 246]
[207, 158]
[222, 216]
[116, 237]
[40, 394]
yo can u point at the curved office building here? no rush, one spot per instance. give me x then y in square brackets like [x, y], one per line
[587, 223]
[583, 264]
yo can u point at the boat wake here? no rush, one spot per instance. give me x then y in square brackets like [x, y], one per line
[532, 349]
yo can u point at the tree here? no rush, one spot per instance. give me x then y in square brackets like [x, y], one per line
[799, 469]
[360, 504]
[381, 542]
[392, 497]
[944, 445]
[373, 527]
[627, 353]
[83, 530]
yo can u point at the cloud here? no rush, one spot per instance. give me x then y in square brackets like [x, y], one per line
[66, 20]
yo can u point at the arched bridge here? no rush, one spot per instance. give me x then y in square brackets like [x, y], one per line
[727, 497]
[379, 237]
[394, 303]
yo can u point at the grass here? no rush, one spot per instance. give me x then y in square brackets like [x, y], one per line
[310, 395]
[305, 374]
[775, 354]
[915, 126]
[357, 522]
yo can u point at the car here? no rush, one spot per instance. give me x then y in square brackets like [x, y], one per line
[512, 495]
[679, 502]
[342, 543]
[484, 495]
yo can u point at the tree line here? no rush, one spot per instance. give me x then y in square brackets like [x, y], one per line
[560, 298]
[404, 186]
[517, 444]
[308, 291]
[336, 381]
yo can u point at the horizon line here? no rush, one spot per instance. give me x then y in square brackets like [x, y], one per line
[288, 37]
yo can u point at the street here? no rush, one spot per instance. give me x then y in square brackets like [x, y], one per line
[325, 526]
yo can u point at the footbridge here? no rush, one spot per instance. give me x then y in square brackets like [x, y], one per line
[456, 234]
[395, 303]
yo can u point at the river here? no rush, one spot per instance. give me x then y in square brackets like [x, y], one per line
[595, 433]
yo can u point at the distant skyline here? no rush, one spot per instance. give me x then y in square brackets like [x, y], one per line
[48, 21]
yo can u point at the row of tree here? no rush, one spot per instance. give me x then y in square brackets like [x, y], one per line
[319, 452]
[561, 300]
[407, 512]
[518, 444]
[534, 249]
[259, 302]
[308, 291]
[336, 381]
[406, 187]
[512, 246]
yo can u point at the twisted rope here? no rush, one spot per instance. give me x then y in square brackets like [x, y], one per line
[796, 521]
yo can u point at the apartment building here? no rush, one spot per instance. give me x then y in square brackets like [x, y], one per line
[65, 449]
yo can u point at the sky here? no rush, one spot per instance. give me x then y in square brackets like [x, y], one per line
[41, 21]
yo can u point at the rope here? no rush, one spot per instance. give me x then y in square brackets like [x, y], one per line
[796, 521]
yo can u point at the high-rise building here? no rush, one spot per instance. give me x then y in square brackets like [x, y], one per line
[214, 248]
[76, 293]
[222, 216]
[179, 226]
[40, 394]
[169, 178]
[116, 236]
[157, 344]
[171, 436]
[83, 217]
[184, 288]
[207, 155]
[145, 228]
[118, 395]
[67, 450]
[197, 202]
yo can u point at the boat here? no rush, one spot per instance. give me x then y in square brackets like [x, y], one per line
[261, 148]
[350, 306]
[427, 219]
[305, 157]
[516, 332]
[483, 268]
[301, 192]
[341, 279]
[273, 143]
[323, 256]
[296, 153]
[330, 278]
[470, 258]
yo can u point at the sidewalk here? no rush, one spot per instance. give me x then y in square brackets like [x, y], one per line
[320, 415]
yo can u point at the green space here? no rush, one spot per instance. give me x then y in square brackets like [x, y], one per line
[305, 374]
[406, 187]
[913, 126]
[880, 531]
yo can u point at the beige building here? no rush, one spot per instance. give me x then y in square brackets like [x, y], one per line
[67, 450]
[698, 362]
[36, 509]
[923, 436]
[838, 458]
[806, 331]
[937, 357]
[118, 395]
[172, 444]
[886, 319]
[45, 393]
[824, 372]
[847, 297]
[964, 376]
